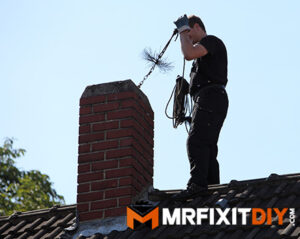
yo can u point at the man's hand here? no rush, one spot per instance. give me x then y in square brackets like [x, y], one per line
[182, 24]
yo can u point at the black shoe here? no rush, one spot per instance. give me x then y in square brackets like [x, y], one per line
[192, 190]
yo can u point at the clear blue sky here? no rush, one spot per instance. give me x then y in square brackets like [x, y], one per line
[51, 50]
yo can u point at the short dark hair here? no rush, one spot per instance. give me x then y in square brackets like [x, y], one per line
[194, 19]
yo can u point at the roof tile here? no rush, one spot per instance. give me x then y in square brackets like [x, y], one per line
[30, 226]
[24, 235]
[53, 233]
[4, 227]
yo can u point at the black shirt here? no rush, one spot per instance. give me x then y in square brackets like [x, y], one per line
[211, 68]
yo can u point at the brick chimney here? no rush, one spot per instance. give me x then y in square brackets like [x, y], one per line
[115, 161]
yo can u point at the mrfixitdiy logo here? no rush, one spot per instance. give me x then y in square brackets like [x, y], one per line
[214, 216]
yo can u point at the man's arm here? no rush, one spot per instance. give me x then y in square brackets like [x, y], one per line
[189, 50]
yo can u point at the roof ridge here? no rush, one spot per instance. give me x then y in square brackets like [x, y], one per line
[39, 211]
[271, 178]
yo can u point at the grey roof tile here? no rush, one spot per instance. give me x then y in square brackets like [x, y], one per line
[30, 226]
[296, 232]
[52, 234]
[23, 236]
[64, 220]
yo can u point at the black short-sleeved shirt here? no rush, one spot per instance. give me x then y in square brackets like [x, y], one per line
[211, 68]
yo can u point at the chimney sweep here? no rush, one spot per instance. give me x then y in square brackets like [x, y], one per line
[208, 79]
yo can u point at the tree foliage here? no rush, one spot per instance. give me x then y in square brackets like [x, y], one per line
[23, 190]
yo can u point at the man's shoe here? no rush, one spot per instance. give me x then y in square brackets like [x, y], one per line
[192, 190]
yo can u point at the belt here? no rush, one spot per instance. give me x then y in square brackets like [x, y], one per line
[205, 87]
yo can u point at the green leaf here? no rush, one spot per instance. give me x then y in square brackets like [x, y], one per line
[23, 190]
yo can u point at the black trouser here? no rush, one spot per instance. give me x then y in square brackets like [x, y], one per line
[209, 113]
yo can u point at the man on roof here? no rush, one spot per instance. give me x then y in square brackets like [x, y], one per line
[208, 79]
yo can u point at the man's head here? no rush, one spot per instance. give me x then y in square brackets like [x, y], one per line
[197, 31]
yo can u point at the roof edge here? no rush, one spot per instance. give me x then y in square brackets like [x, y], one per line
[55, 208]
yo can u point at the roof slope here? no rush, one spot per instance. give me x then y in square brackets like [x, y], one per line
[38, 224]
[275, 191]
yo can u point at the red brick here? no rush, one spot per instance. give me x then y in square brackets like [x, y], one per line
[138, 147]
[127, 142]
[132, 182]
[84, 168]
[92, 100]
[126, 181]
[90, 215]
[121, 114]
[134, 105]
[141, 179]
[144, 123]
[144, 158]
[126, 162]
[116, 173]
[121, 95]
[91, 157]
[104, 204]
[104, 184]
[147, 177]
[91, 118]
[90, 138]
[83, 207]
[130, 162]
[106, 107]
[105, 165]
[131, 123]
[114, 134]
[90, 177]
[147, 174]
[125, 201]
[117, 192]
[118, 153]
[137, 186]
[150, 169]
[149, 120]
[83, 188]
[105, 145]
[113, 212]
[84, 148]
[145, 137]
[146, 152]
[147, 156]
[140, 166]
[85, 110]
[147, 108]
[142, 133]
[128, 103]
[133, 143]
[145, 144]
[131, 132]
[88, 197]
[106, 126]
[135, 164]
[84, 129]
[146, 165]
